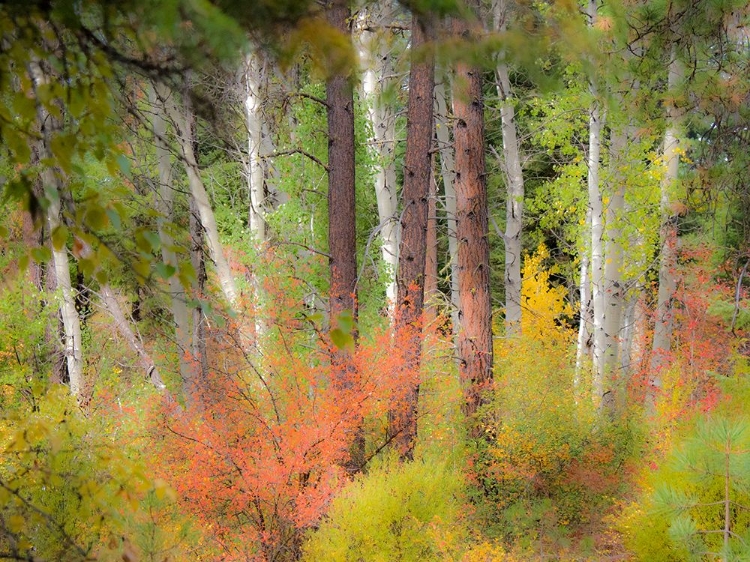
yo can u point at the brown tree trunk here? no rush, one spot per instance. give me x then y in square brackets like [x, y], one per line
[413, 250]
[341, 214]
[475, 334]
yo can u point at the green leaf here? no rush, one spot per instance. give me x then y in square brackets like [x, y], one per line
[41, 254]
[114, 219]
[124, 164]
[342, 340]
[59, 237]
[165, 271]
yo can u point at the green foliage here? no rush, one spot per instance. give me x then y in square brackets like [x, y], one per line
[69, 487]
[408, 512]
[684, 515]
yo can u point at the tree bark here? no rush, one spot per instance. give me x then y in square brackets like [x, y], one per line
[663, 324]
[184, 122]
[255, 169]
[614, 287]
[51, 178]
[413, 249]
[514, 188]
[378, 68]
[448, 172]
[145, 361]
[341, 188]
[165, 205]
[474, 343]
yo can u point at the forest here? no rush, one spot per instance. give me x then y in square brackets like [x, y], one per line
[374, 280]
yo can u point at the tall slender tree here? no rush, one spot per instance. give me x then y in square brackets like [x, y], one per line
[413, 249]
[341, 176]
[514, 183]
[474, 344]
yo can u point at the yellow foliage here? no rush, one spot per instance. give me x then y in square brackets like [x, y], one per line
[543, 304]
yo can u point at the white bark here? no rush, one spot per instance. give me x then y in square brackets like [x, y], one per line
[52, 186]
[668, 234]
[109, 299]
[613, 291]
[514, 187]
[183, 120]
[71, 320]
[448, 173]
[597, 235]
[255, 171]
[165, 204]
[585, 326]
[377, 64]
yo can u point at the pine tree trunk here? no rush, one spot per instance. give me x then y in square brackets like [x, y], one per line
[475, 334]
[341, 194]
[413, 249]
[514, 190]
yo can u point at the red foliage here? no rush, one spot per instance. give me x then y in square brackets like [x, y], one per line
[262, 452]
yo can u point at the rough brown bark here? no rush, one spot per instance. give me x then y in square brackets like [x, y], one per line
[474, 343]
[413, 249]
[341, 211]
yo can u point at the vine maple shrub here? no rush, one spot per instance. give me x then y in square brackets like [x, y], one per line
[261, 452]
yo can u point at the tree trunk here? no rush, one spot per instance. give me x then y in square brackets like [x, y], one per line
[184, 121]
[341, 191]
[198, 348]
[597, 234]
[475, 334]
[431, 256]
[134, 340]
[378, 69]
[165, 206]
[413, 249]
[668, 236]
[613, 275]
[342, 239]
[514, 188]
[448, 172]
[51, 178]
[255, 171]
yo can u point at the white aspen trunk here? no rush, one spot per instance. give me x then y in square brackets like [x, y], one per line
[378, 68]
[514, 188]
[110, 302]
[448, 173]
[597, 252]
[165, 205]
[71, 320]
[628, 328]
[613, 276]
[255, 168]
[183, 121]
[668, 236]
[597, 235]
[257, 148]
[585, 326]
[52, 186]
